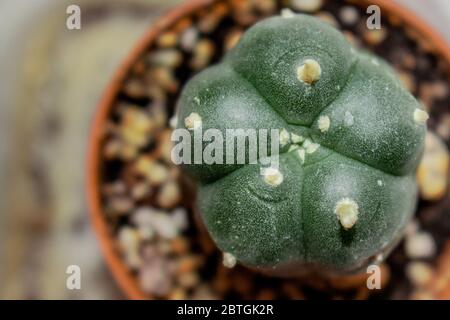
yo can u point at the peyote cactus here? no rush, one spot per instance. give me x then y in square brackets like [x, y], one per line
[350, 140]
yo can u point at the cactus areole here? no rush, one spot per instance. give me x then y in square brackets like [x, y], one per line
[351, 138]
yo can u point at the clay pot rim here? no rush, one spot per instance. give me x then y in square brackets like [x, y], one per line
[120, 272]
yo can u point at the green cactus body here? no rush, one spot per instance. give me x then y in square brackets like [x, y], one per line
[345, 186]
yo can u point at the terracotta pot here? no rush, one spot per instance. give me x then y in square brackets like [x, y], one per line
[121, 273]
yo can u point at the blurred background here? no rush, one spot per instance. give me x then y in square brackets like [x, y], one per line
[50, 81]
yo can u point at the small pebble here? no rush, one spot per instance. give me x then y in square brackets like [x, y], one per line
[143, 216]
[158, 113]
[140, 190]
[420, 116]
[243, 12]
[180, 218]
[135, 126]
[419, 273]
[188, 280]
[155, 279]
[129, 244]
[169, 195]
[163, 246]
[115, 188]
[137, 119]
[155, 172]
[374, 37]
[134, 137]
[408, 60]
[155, 91]
[229, 260]
[119, 205]
[170, 58]
[420, 245]
[177, 294]
[287, 13]
[432, 91]
[112, 148]
[160, 221]
[309, 6]
[265, 6]
[146, 233]
[204, 292]
[164, 226]
[173, 122]
[167, 39]
[135, 88]
[443, 128]
[433, 169]
[165, 78]
[128, 152]
[349, 15]
[189, 39]
[412, 227]
[203, 52]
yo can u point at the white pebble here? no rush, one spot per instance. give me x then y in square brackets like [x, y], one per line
[180, 218]
[307, 5]
[349, 15]
[412, 227]
[229, 260]
[161, 222]
[419, 273]
[128, 238]
[189, 39]
[420, 245]
[146, 232]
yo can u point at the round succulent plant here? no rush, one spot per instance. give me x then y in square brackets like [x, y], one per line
[350, 139]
